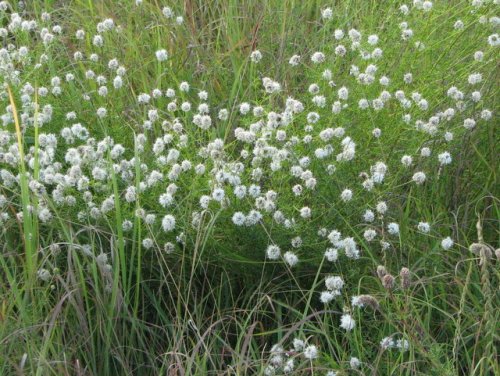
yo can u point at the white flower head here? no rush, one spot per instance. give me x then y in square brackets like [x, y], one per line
[327, 13]
[447, 243]
[168, 223]
[347, 322]
[311, 352]
[273, 252]
[161, 55]
[256, 56]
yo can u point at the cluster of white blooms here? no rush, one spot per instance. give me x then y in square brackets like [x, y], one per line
[334, 285]
[300, 162]
[389, 343]
[287, 361]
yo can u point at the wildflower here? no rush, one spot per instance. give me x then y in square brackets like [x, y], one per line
[447, 243]
[270, 85]
[289, 366]
[406, 34]
[475, 78]
[481, 250]
[458, 25]
[310, 352]
[318, 57]
[494, 40]
[427, 6]
[80, 34]
[444, 158]
[298, 344]
[161, 55]
[203, 95]
[387, 343]
[405, 278]
[478, 55]
[269, 370]
[130, 195]
[369, 235]
[381, 271]
[244, 108]
[419, 177]
[223, 114]
[424, 227]
[218, 194]
[346, 195]
[98, 41]
[425, 152]
[327, 13]
[294, 60]
[365, 300]
[273, 252]
[101, 112]
[486, 114]
[373, 39]
[296, 242]
[327, 296]
[338, 34]
[256, 56]
[184, 86]
[402, 344]
[331, 254]
[476, 97]
[239, 219]
[406, 160]
[169, 247]
[150, 219]
[167, 12]
[354, 362]
[350, 248]
[291, 258]
[117, 82]
[168, 223]
[143, 98]
[347, 322]
[376, 132]
[388, 282]
[43, 274]
[147, 243]
[205, 201]
[408, 78]
[343, 93]
[381, 207]
[334, 283]
[127, 225]
[305, 212]
[355, 35]
[368, 216]
[44, 214]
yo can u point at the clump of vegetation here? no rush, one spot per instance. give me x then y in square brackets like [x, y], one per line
[223, 188]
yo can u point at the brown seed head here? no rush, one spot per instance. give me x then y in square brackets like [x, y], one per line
[405, 277]
[368, 300]
[388, 282]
